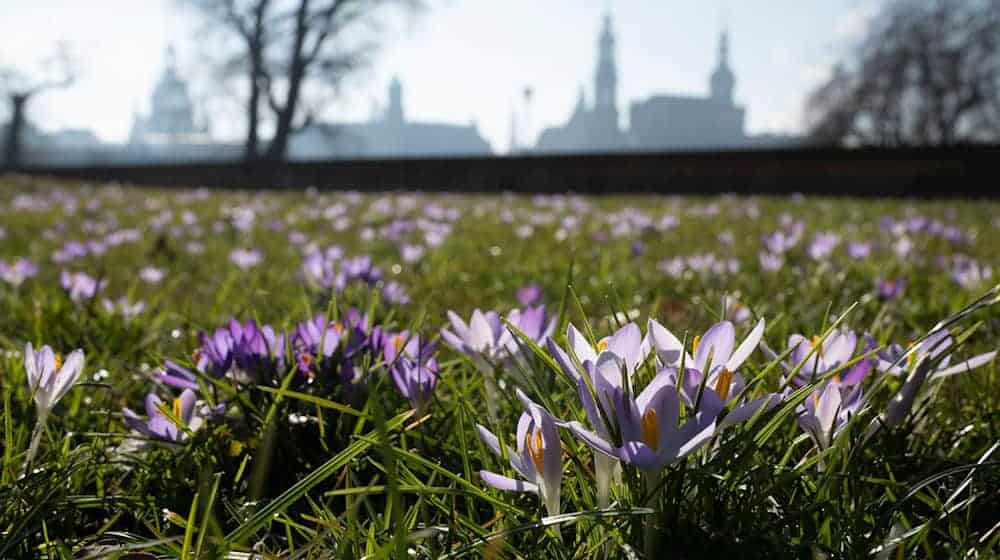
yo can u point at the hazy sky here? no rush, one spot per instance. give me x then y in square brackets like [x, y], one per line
[459, 60]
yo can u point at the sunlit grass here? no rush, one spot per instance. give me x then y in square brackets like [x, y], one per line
[308, 457]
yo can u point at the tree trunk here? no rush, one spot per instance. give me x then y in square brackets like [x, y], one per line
[12, 149]
[278, 149]
[250, 147]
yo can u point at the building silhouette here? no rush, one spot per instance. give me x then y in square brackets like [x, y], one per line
[171, 118]
[660, 122]
[387, 134]
[592, 128]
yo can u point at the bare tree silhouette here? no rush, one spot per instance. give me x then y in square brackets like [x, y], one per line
[928, 73]
[58, 71]
[289, 51]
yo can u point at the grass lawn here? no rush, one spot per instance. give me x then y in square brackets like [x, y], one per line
[316, 375]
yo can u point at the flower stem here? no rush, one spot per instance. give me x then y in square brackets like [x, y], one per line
[36, 438]
[652, 481]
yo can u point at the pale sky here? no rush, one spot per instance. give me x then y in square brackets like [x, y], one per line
[459, 60]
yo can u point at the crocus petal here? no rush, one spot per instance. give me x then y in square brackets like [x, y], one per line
[563, 360]
[187, 400]
[665, 379]
[68, 375]
[746, 348]
[838, 348]
[592, 440]
[45, 360]
[490, 439]
[967, 365]
[936, 343]
[481, 336]
[590, 407]
[743, 412]
[457, 323]
[501, 482]
[829, 406]
[695, 433]
[153, 403]
[578, 343]
[31, 367]
[626, 342]
[607, 373]
[668, 348]
[135, 422]
[716, 345]
[177, 376]
[642, 456]
[455, 341]
[801, 349]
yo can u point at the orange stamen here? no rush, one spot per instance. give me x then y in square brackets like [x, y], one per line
[723, 383]
[650, 429]
[535, 448]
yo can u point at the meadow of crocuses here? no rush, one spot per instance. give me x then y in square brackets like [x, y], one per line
[200, 373]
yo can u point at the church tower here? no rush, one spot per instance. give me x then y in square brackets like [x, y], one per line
[394, 112]
[723, 81]
[606, 76]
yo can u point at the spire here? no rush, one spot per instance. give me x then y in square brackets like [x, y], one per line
[581, 102]
[171, 59]
[606, 76]
[724, 49]
[394, 112]
[723, 81]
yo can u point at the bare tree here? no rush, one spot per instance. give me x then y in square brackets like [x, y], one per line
[57, 72]
[288, 51]
[928, 73]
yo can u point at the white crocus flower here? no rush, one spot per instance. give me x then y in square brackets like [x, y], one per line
[49, 378]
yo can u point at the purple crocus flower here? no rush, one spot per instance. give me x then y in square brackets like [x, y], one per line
[246, 259]
[891, 289]
[411, 253]
[412, 367]
[258, 351]
[215, 356]
[648, 426]
[535, 323]
[529, 295]
[123, 307]
[859, 250]
[628, 345]
[49, 378]
[395, 294]
[736, 311]
[360, 269]
[822, 245]
[176, 375]
[480, 339]
[80, 286]
[18, 271]
[819, 356]
[327, 348]
[158, 426]
[315, 342]
[537, 459]
[715, 365]
[152, 275]
[924, 363]
[826, 412]
[770, 262]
